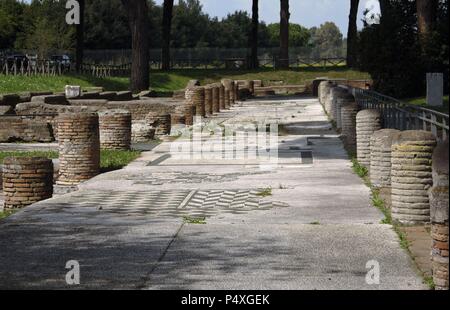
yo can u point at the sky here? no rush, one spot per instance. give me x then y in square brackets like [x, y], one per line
[308, 13]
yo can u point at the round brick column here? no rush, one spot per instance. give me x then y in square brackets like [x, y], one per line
[228, 84]
[439, 200]
[335, 94]
[236, 92]
[177, 119]
[320, 90]
[325, 90]
[196, 97]
[208, 100]
[161, 122]
[26, 181]
[216, 98]
[341, 100]
[79, 147]
[142, 131]
[367, 122]
[115, 129]
[348, 133]
[380, 157]
[411, 176]
[189, 112]
[221, 96]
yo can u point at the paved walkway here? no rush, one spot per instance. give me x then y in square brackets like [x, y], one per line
[171, 223]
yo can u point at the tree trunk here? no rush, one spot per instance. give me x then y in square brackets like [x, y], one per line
[352, 35]
[139, 25]
[384, 9]
[426, 16]
[284, 34]
[79, 53]
[254, 63]
[167, 25]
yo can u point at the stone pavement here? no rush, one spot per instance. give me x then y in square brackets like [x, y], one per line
[166, 222]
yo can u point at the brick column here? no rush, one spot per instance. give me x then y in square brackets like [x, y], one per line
[236, 92]
[324, 91]
[196, 97]
[160, 121]
[79, 147]
[142, 131]
[177, 119]
[367, 122]
[221, 96]
[26, 181]
[216, 98]
[115, 130]
[380, 157]
[335, 94]
[411, 176]
[228, 84]
[348, 134]
[208, 100]
[439, 200]
[232, 93]
[342, 100]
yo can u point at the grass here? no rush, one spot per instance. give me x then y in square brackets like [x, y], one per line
[422, 101]
[46, 154]
[109, 160]
[266, 192]
[173, 80]
[196, 221]
[113, 160]
[5, 214]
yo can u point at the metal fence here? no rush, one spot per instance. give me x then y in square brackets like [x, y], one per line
[32, 67]
[403, 116]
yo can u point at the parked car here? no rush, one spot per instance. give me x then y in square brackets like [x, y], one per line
[64, 60]
[17, 59]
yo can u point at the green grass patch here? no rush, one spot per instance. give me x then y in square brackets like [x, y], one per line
[174, 80]
[266, 192]
[46, 154]
[195, 221]
[109, 160]
[114, 160]
[359, 169]
[6, 213]
[422, 101]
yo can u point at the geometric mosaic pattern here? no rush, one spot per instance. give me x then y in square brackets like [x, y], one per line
[195, 203]
[160, 178]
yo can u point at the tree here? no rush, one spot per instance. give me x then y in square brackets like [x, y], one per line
[139, 24]
[80, 38]
[167, 25]
[327, 40]
[299, 36]
[426, 16]
[284, 34]
[254, 63]
[352, 35]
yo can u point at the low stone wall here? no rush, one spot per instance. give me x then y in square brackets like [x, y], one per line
[27, 128]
